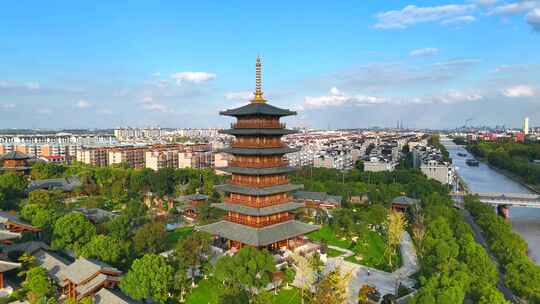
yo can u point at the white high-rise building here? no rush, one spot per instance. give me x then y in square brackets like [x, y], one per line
[526, 126]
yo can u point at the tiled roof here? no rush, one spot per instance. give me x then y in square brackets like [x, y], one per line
[258, 131]
[258, 191]
[15, 155]
[258, 236]
[52, 263]
[106, 296]
[66, 184]
[258, 211]
[259, 151]
[404, 200]
[95, 283]
[257, 171]
[8, 235]
[8, 217]
[7, 266]
[28, 247]
[318, 196]
[83, 268]
[192, 197]
[257, 109]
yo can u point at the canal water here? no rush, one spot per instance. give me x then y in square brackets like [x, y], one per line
[525, 221]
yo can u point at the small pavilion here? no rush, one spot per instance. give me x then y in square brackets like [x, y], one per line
[15, 161]
[402, 203]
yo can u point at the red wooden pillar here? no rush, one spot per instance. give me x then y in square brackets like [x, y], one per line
[1, 280]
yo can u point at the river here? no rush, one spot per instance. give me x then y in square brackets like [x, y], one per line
[525, 221]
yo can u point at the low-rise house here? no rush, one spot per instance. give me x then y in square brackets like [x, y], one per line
[65, 184]
[402, 203]
[318, 199]
[12, 223]
[85, 277]
[107, 296]
[189, 204]
[96, 215]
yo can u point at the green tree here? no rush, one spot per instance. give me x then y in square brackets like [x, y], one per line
[250, 268]
[72, 231]
[106, 249]
[119, 227]
[149, 278]
[333, 288]
[37, 284]
[149, 238]
[191, 251]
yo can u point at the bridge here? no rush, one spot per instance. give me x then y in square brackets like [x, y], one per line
[501, 199]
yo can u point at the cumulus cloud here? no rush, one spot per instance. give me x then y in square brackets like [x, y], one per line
[411, 14]
[240, 95]
[450, 97]
[192, 77]
[83, 104]
[458, 20]
[519, 91]
[485, 2]
[424, 52]
[533, 19]
[148, 103]
[338, 98]
[515, 7]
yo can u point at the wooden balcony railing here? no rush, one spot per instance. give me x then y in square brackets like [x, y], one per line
[259, 184]
[254, 223]
[258, 125]
[254, 144]
[268, 164]
[260, 203]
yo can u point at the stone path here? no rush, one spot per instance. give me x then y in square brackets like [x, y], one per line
[384, 282]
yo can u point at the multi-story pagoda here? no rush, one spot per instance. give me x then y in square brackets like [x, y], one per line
[257, 197]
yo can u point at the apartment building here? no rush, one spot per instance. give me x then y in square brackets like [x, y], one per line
[96, 156]
[132, 156]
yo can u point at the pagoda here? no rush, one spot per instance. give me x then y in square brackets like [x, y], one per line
[257, 197]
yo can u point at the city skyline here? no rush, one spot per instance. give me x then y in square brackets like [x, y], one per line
[431, 64]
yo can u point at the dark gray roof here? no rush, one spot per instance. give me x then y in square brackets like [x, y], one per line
[257, 109]
[404, 200]
[259, 151]
[8, 217]
[52, 263]
[66, 184]
[96, 214]
[192, 197]
[258, 191]
[258, 211]
[258, 131]
[257, 171]
[258, 236]
[95, 283]
[106, 296]
[7, 266]
[15, 155]
[28, 247]
[83, 268]
[318, 196]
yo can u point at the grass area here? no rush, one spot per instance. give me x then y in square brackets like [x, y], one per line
[173, 236]
[333, 253]
[327, 235]
[370, 246]
[207, 292]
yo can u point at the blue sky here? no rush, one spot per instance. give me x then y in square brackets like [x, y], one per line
[66, 64]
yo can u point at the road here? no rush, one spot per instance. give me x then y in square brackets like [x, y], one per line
[479, 237]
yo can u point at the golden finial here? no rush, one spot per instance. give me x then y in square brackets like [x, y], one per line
[258, 92]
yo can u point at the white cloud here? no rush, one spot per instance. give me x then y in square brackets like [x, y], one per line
[519, 91]
[156, 74]
[240, 95]
[32, 86]
[7, 106]
[148, 103]
[533, 19]
[515, 7]
[337, 98]
[458, 20]
[83, 104]
[412, 14]
[192, 77]
[424, 52]
[485, 2]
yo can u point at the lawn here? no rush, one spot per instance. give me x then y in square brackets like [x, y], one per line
[173, 236]
[370, 246]
[333, 253]
[207, 292]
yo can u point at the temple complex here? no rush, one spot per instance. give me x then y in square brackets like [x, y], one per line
[257, 197]
[15, 161]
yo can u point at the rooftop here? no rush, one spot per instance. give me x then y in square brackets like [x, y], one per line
[258, 211]
[83, 268]
[257, 109]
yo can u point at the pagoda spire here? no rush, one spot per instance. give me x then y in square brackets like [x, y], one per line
[258, 91]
